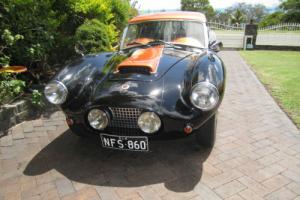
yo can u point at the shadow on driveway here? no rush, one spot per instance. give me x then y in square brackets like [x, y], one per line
[176, 163]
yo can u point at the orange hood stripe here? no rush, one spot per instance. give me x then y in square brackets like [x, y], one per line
[148, 58]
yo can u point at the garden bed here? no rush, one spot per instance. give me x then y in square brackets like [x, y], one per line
[21, 110]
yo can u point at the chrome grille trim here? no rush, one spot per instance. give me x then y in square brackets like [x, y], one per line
[125, 117]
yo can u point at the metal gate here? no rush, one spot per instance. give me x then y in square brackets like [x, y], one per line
[232, 36]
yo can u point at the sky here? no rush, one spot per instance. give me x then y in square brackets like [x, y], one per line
[217, 4]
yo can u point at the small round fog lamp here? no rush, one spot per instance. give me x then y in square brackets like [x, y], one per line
[149, 122]
[98, 119]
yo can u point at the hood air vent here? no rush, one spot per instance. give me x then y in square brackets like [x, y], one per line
[135, 69]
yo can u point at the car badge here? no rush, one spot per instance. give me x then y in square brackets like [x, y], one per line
[125, 86]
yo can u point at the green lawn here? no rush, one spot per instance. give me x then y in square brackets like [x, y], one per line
[280, 72]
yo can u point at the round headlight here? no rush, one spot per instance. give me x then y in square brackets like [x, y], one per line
[98, 119]
[56, 92]
[204, 96]
[149, 122]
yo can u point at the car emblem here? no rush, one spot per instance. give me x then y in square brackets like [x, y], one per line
[125, 86]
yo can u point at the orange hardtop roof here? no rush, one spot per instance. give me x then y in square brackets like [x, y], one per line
[180, 15]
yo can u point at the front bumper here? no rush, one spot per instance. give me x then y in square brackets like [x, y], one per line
[123, 122]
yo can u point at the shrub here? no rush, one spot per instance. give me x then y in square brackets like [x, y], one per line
[93, 36]
[37, 22]
[7, 41]
[122, 11]
[37, 99]
[10, 88]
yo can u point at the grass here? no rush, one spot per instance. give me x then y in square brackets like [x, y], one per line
[279, 71]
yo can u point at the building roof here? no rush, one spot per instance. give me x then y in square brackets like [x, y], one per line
[180, 15]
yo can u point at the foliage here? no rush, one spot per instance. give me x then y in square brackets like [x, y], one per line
[122, 12]
[7, 40]
[280, 72]
[10, 88]
[222, 17]
[255, 12]
[37, 99]
[42, 35]
[291, 10]
[48, 28]
[272, 19]
[113, 13]
[133, 10]
[90, 9]
[93, 36]
[198, 6]
[237, 17]
[37, 23]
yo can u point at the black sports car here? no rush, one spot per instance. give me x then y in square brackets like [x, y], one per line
[165, 81]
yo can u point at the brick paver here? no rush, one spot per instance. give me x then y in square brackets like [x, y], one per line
[256, 156]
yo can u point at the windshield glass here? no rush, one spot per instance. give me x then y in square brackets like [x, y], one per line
[177, 32]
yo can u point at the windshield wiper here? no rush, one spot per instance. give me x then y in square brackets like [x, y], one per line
[173, 45]
[134, 43]
[157, 42]
[190, 46]
[154, 42]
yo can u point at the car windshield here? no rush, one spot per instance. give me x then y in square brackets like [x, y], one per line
[178, 32]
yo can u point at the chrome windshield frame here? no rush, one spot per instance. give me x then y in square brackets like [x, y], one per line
[205, 30]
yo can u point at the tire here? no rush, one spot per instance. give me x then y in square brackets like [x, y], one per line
[206, 134]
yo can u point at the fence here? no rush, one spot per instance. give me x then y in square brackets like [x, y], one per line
[282, 27]
[232, 36]
[223, 26]
[241, 27]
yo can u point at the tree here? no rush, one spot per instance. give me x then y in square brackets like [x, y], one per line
[291, 10]
[272, 19]
[121, 9]
[237, 17]
[222, 17]
[256, 12]
[249, 11]
[198, 6]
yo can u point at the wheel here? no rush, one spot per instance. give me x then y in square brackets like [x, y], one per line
[206, 134]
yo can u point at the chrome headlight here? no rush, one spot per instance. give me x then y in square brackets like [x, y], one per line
[149, 122]
[204, 96]
[56, 92]
[98, 119]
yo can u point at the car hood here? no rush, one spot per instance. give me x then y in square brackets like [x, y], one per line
[144, 90]
[157, 60]
[95, 79]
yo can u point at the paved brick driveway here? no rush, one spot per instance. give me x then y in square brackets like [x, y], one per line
[257, 156]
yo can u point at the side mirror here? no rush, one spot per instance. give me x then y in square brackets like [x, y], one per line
[116, 47]
[216, 46]
[79, 49]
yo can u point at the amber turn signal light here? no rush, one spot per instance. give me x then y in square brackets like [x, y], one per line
[69, 121]
[188, 129]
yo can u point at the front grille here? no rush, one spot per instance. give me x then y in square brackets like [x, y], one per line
[125, 117]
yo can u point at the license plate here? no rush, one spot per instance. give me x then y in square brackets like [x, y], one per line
[130, 143]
